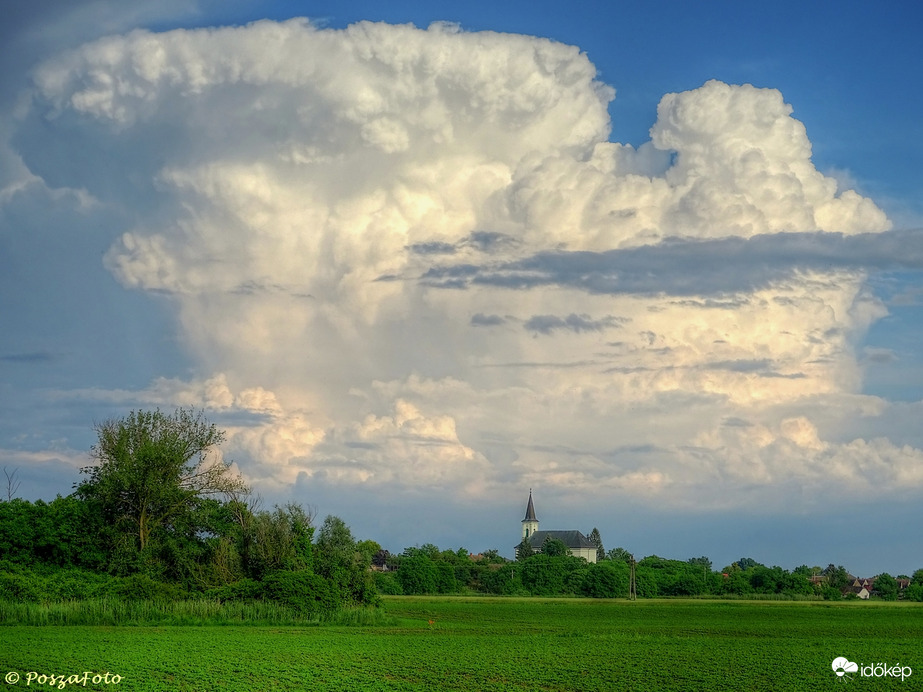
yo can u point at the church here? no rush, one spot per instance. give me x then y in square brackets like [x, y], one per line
[578, 544]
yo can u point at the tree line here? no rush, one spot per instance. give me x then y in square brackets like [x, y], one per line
[554, 572]
[160, 515]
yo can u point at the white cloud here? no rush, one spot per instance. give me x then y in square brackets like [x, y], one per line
[303, 192]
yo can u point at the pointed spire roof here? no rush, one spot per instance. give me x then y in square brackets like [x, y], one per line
[530, 510]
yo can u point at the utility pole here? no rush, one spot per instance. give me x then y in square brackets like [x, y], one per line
[632, 584]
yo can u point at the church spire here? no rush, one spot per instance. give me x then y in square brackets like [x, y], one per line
[530, 510]
[530, 523]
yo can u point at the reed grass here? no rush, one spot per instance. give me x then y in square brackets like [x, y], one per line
[192, 612]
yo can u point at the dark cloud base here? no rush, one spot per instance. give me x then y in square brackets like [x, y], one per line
[684, 267]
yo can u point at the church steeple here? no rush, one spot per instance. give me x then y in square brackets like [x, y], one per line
[530, 523]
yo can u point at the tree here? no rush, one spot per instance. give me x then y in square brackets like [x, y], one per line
[703, 562]
[153, 469]
[885, 587]
[277, 540]
[608, 579]
[837, 576]
[418, 574]
[597, 540]
[338, 559]
[619, 555]
[524, 550]
[554, 547]
[914, 592]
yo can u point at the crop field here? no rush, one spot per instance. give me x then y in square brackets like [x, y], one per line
[492, 644]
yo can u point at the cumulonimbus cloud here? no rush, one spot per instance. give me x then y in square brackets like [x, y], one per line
[339, 222]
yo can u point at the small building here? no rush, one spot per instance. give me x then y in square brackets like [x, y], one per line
[860, 592]
[578, 544]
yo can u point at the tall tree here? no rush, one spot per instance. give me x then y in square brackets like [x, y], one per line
[153, 469]
[597, 540]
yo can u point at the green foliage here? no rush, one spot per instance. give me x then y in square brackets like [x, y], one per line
[140, 587]
[504, 581]
[347, 568]
[418, 575]
[148, 524]
[620, 555]
[25, 584]
[277, 540]
[445, 578]
[607, 579]
[20, 586]
[837, 577]
[387, 583]
[64, 532]
[303, 591]
[243, 590]
[154, 473]
[546, 575]
[885, 587]
[597, 540]
[703, 562]
[554, 547]
[831, 593]
[524, 550]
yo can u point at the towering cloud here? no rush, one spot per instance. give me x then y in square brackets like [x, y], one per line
[414, 257]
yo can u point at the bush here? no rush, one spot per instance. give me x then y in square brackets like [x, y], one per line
[140, 587]
[505, 581]
[243, 590]
[607, 580]
[76, 584]
[387, 583]
[302, 590]
[20, 586]
[418, 575]
[445, 578]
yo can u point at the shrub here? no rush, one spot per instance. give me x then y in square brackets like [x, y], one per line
[417, 575]
[302, 590]
[140, 587]
[387, 583]
[242, 590]
[20, 586]
[607, 580]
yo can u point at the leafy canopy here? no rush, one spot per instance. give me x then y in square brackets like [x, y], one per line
[153, 469]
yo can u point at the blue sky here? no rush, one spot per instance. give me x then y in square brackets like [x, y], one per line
[659, 264]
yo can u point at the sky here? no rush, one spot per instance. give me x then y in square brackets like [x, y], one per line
[658, 264]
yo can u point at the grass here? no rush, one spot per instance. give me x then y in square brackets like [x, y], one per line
[473, 643]
[202, 612]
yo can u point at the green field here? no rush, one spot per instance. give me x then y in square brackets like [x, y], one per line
[497, 644]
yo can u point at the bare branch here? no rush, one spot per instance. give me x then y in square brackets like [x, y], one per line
[12, 484]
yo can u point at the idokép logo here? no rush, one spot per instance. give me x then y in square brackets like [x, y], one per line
[846, 669]
[843, 666]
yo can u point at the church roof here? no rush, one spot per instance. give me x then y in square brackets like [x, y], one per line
[572, 539]
[530, 510]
